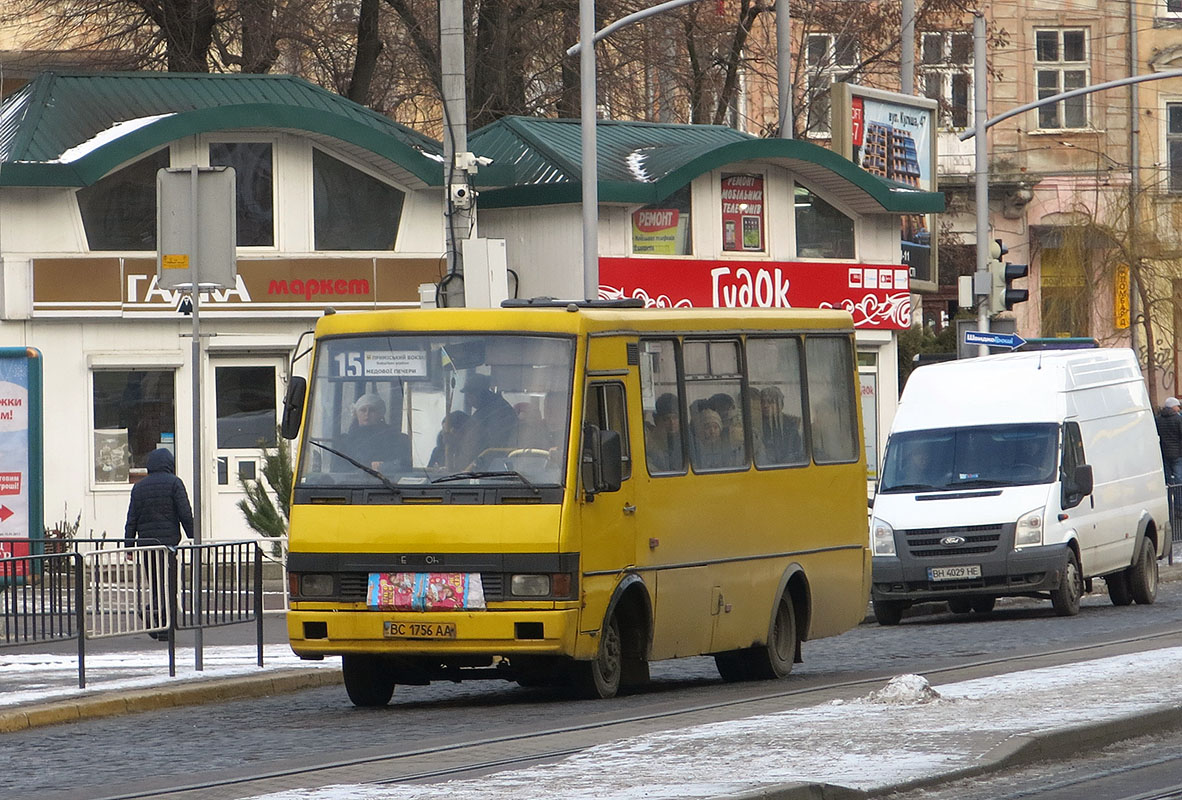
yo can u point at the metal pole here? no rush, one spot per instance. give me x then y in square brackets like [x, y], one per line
[195, 291]
[907, 60]
[590, 171]
[1135, 187]
[784, 66]
[982, 174]
[452, 87]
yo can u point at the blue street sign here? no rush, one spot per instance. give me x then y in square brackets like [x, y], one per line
[1010, 340]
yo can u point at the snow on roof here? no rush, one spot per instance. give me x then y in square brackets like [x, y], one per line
[119, 129]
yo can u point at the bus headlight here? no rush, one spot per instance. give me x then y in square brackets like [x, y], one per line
[1029, 530]
[882, 538]
[530, 585]
[315, 585]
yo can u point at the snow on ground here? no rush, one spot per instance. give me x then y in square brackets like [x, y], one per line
[906, 731]
[37, 678]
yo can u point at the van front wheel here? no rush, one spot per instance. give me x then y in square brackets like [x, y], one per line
[889, 612]
[1065, 597]
[1143, 575]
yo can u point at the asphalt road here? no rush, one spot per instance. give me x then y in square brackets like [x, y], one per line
[176, 745]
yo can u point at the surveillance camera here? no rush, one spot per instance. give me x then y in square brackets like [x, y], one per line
[461, 195]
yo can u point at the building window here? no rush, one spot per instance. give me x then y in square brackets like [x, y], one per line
[119, 210]
[827, 57]
[1174, 144]
[1173, 8]
[245, 407]
[663, 229]
[253, 168]
[821, 230]
[134, 413]
[1061, 64]
[353, 211]
[946, 60]
[1065, 300]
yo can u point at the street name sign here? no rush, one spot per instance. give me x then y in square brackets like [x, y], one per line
[1009, 340]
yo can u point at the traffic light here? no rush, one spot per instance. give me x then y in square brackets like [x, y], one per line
[1003, 296]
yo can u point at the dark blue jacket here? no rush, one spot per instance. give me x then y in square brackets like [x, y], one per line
[159, 505]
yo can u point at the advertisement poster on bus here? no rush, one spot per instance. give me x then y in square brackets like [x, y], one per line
[20, 501]
[893, 136]
[878, 296]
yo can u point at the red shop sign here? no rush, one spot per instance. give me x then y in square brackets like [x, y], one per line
[878, 296]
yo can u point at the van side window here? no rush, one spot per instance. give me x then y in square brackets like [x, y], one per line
[713, 389]
[1073, 456]
[775, 402]
[660, 399]
[833, 427]
[607, 410]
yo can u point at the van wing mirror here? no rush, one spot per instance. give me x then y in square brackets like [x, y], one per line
[603, 461]
[293, 407]
[1082, 481]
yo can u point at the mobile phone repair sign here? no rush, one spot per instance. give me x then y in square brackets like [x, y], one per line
[20, 450]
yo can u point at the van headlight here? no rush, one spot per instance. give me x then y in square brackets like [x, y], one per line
[1029, 530]
[882, 538]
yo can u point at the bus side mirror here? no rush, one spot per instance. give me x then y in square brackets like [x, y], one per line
[293, 407]
[603, 461]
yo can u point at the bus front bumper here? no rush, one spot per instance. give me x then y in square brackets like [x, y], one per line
[456, 633]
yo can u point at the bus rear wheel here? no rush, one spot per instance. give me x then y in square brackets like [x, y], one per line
[765, 662]
[600, 677]
[369, 681]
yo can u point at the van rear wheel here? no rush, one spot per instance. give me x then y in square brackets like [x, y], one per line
[1065, 597]
[369, 680]
[1119, 590]
[1143, 575]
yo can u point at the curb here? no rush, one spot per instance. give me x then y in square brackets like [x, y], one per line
[197, 692]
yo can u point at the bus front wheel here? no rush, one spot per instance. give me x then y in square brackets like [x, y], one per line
[369, 681]
[600, 677]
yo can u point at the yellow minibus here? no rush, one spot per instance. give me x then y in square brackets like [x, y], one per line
[560, 493]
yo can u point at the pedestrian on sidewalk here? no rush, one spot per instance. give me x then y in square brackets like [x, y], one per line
[158, 510]
[1169, 434]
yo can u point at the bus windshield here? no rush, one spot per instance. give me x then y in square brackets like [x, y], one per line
[963, 458]
[450, 410]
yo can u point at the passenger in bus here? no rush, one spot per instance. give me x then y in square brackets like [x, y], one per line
[781, 431]
[709, 450]
[662, 439]
[732, 428]
[371, 440]
[494, 422]
[450, 451]
[754, 405]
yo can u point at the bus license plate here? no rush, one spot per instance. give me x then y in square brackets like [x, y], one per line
[954, 573]
[419, 630]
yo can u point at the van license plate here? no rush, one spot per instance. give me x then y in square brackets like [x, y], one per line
[419, 630]
[954, 573]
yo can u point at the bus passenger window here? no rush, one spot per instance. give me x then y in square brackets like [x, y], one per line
[832, 424]
[661, 403]
[607, 410]
[718, 438]
[774, 400]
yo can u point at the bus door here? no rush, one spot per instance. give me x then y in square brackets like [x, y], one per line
[607, 519]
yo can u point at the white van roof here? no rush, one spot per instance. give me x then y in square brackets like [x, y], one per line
[1027, 387]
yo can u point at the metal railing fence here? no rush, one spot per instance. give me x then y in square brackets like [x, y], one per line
[96, 591]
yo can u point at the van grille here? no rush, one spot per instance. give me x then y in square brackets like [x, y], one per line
[978, 539]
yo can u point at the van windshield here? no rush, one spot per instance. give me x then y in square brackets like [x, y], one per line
[962, 458]
[443, 411]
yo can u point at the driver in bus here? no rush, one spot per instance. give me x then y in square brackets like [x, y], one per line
[493, 423]
[371, 440]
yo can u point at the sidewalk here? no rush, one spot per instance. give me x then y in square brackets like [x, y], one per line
[901, 735]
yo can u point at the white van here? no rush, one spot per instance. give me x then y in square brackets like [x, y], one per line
[1020, 474]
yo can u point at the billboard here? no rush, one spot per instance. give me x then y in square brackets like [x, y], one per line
[20, 450]
[893, 136]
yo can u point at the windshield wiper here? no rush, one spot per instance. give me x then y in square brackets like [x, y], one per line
[978, 482]
[363, 467]
[913, 487]
[507, 473]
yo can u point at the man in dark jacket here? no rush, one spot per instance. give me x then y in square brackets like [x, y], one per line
[1169, 434]
[159, 508]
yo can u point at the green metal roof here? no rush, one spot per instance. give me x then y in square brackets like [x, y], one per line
[538, 162]
[71, 129]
